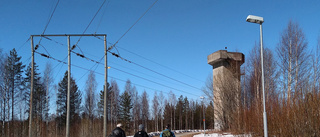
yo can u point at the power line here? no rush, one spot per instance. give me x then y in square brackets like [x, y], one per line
[160, 64]
[153, 81]
[142, 67]
[45, 28]
[99, 62]
[118, 56]
[102, 17]
[42, 47]
[49, 57]
[139, 85]
[138, 71]
[23, 44]
[78, 54]
[28, 59]
[89, 24]
[132, 25]
[96, 64]
[59, 43]
[59, 69]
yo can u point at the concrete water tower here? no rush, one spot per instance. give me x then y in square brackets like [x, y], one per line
[226, 78]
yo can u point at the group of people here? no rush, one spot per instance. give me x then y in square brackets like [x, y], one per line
[119, 132]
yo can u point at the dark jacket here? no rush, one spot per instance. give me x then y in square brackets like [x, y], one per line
[167, 130]
[118, 132]
[141, 134]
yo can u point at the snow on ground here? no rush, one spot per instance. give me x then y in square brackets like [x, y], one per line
[200, 134]
[220, 135]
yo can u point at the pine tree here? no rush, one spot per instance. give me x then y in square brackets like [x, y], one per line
[179, 111]
[145, 109]
[101, 100]
[75, 100]
[38, 97]
[186, 112]
[38, 101]
[124, 110]
[14, 68]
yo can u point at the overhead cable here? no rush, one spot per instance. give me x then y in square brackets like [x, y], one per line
[89, 25]
[45, 28]
[132, 25]
[102, 17]
[160, 64]
[118, 56]
[49, 57]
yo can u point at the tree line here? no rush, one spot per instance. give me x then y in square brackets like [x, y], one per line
[127, 107]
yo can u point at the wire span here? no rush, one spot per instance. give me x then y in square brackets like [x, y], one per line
[49, 57]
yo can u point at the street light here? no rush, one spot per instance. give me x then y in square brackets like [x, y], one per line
[259, 20]
[204, 117]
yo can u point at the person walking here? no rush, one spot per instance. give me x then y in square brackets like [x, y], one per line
[118, 132]
[141, 132]
[167, 132]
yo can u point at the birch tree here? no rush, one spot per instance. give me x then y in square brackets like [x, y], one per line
[292, 53]
[90, 89]
[161, 108]
[155, 107]
[90, 99]
[47, 82]
[2, 92]
[173, 101]
[136, 108]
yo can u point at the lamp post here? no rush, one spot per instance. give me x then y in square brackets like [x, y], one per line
[259, 20]
[204, 117]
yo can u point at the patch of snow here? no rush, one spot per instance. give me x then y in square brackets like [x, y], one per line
[220, 135]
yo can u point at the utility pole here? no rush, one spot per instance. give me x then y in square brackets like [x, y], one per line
[68, 97]
[204, 117]
[69, 78]
[31, 88]
[105, 89]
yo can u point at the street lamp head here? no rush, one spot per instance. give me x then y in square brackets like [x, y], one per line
[201, 97]
[255, 19]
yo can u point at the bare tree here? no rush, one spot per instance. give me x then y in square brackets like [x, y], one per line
[47, 82]
[292, 52]
[91, 86]
[136, 108]
[173, 101]
[208, 88]
[90, 99]
[161, 109]
[315, 67]
[2, 92]
[114, 101]
[155, 108]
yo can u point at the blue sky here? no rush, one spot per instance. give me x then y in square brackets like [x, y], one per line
[178, 34]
